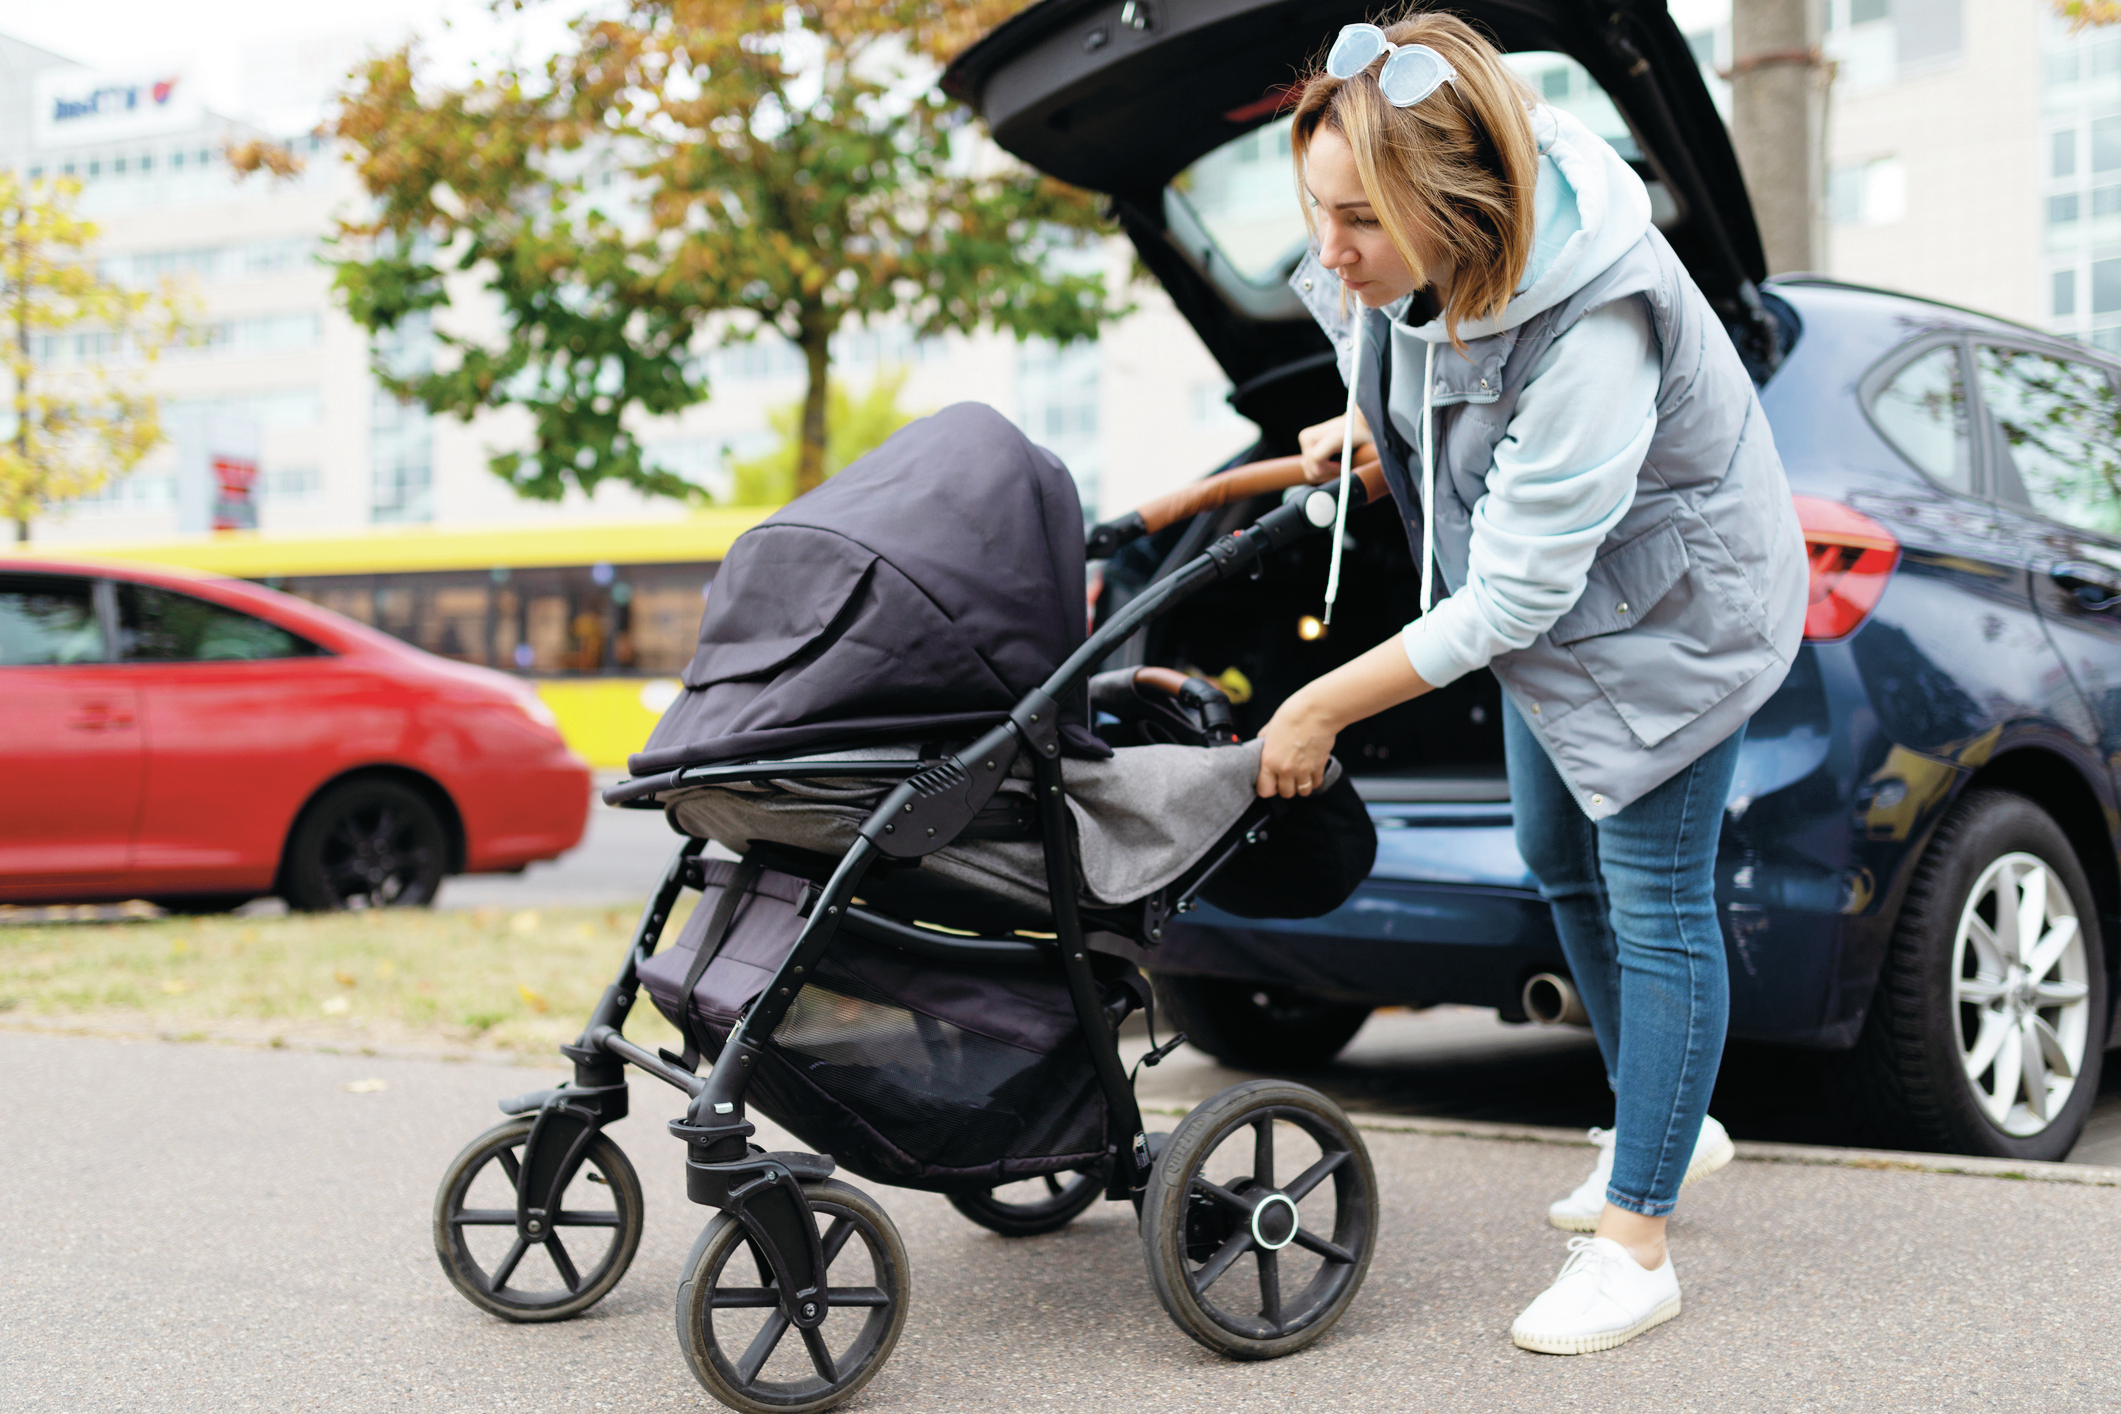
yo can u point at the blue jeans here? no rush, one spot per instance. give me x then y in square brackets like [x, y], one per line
[1634, 900]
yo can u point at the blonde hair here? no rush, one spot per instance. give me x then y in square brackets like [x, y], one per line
[1457, 170]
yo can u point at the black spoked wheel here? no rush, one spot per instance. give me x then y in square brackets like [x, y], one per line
[737, 1340]
[366, 844]
[1035, 1205]
[1260, 1219]
[521, 1278]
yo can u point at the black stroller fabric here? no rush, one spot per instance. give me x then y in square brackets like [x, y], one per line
[906, 1072]
[1317, 850]
[916, 596]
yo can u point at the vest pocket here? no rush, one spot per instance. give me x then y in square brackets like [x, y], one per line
[1625, 584]
[1689, 643]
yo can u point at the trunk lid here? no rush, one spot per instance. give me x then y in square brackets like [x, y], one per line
[1172, 108]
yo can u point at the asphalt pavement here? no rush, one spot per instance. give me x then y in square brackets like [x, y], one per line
[196, 1227]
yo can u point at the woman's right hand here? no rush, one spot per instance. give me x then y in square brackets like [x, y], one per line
[1320, 446]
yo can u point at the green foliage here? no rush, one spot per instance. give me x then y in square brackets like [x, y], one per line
[68, 429]
[694, 169]
[857, 427]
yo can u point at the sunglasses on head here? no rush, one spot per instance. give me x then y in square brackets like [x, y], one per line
[1412, 73]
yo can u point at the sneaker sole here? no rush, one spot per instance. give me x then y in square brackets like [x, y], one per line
[1601, 1340]
[1704, 1164]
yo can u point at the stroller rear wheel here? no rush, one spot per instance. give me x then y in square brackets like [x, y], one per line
[1034, 1206]
[1270, 1180]
[732, 1331]
[573, 1267]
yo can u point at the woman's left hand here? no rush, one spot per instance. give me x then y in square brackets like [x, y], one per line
[1298, 742]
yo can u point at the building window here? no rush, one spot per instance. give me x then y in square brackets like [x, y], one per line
[1870, 193]
[401, 435]
[2065, 153]
[2061, 210]
[2065, 293]
[2106, 286]
[1058, 390]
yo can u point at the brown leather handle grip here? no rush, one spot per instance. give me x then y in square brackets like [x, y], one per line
[1169, 681]
[1241, 482]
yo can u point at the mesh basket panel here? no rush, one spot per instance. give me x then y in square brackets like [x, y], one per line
[869, 1066]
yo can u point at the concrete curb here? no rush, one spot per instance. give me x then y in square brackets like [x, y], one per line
[2088, 1175]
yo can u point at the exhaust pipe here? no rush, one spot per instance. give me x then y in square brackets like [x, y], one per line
[1551, 1000]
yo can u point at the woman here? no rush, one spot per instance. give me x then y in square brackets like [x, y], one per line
[1601, 519]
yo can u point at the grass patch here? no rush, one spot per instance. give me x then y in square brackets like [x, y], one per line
[519, 980]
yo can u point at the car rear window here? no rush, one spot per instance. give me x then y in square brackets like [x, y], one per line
[48, 620]
[2057, 434]
[1237, 214]
[158, 625]
[1922, 410]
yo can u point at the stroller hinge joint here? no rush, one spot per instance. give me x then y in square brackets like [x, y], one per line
[933, 807]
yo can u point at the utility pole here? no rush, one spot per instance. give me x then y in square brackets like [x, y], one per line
[1778, 124]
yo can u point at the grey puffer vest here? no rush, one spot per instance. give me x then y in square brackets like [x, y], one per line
[1695, 604]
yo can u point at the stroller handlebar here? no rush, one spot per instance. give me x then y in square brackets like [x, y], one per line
[1211, 493]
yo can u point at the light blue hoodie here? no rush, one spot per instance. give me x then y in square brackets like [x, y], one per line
[1564, 473]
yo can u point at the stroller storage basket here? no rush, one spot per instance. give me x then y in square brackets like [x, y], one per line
[907, 1071]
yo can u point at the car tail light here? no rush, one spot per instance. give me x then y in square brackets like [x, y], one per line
[1852, 557]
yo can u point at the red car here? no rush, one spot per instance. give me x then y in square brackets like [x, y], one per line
[199, 741]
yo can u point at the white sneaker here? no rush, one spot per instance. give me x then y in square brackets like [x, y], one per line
[1579, 1211]
[1602, 1298]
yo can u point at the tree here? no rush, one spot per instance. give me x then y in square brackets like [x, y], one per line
[75, 423]
[856, 426]
[694, 170]
[2087, 14]
[1779, 83]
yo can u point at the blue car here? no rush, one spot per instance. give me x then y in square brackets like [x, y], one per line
[1922, 852]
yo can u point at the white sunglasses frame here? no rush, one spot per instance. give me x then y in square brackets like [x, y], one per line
[1390, 53]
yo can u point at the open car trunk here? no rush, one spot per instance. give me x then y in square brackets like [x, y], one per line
[1176, 110]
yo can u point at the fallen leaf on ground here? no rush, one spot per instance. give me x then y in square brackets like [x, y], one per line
[366, 1087]
[176, 986]
[346, 979]
[537, 1002]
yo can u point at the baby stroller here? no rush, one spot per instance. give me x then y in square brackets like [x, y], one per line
[918, 956]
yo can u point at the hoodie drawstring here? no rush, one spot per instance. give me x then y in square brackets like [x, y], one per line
[1428, 476]
[1347, 456]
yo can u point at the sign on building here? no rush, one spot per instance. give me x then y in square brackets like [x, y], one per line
[79, 105]
[217, 470]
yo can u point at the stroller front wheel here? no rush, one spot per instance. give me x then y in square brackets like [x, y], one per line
[1267, 1180]
[732, 1331]
[569, 1270]
[1035, 1206]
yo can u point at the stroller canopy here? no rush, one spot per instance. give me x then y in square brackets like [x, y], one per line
[916, 596]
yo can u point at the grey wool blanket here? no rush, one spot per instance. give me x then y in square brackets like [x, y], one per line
[1142, 818]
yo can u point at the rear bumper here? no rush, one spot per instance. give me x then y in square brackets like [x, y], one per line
[521, 815]
[1449, 916]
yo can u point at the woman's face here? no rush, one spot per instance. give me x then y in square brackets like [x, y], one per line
[1351, 241]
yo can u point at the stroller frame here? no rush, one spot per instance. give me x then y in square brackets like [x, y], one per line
[931, 806]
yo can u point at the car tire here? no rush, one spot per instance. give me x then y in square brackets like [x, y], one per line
[365, 844]
[1956, 992]
[1253, 1026]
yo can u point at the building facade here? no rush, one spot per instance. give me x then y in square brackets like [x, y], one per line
[1134, 414]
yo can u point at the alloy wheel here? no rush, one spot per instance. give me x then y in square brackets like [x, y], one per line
[2021, 993]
